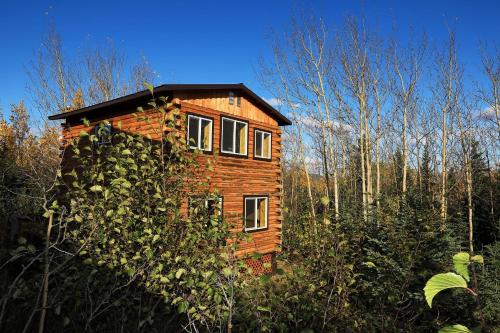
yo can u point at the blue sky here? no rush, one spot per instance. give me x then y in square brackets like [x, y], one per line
[214, 41]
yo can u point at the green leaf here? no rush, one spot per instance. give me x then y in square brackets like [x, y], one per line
[123, 261]
[179, 273]
[457, 328]
[461, 262]
[227, 271]
[369, 264]
[96, 188]
[149, 87]
[182, 307]
[477, 258]
[263, 308]
[256, 256]
[325, 201]
[126, 152]
[264, 279]
[440, 282]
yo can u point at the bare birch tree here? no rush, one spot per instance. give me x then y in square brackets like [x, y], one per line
[352, 52]
[491, 94]
[445, 96]
[406, 66]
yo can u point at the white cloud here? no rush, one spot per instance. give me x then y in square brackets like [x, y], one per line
[276, 102]
[488, 113]
[311, 123]
[273, 101]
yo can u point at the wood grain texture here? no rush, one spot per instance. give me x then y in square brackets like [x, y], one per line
[232, 177]
[218, 100]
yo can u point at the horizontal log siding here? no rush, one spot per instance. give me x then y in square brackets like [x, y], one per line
[233, 177]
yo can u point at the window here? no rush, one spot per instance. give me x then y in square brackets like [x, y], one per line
[262, 144]
[212, 207]
[231, 98]
[238, 101]
[103, 133]
[234, 135]
[200, 133]
[256, 213]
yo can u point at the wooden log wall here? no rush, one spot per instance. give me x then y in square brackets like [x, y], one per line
[233, 177]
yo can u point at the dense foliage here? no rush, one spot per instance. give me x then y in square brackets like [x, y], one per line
[378, 197]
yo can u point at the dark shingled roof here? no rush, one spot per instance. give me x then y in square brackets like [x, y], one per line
[145, 95]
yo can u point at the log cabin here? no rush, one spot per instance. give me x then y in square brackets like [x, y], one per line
[227, 120]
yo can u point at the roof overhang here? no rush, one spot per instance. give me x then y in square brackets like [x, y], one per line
[143, 96]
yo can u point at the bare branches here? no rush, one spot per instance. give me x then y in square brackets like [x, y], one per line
[60, 83]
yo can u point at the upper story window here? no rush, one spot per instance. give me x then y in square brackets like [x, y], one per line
[256, 209]
[231, 98]
[262, 144]
[103, 133]
[234, 135]
[238, 101]
[200, 132]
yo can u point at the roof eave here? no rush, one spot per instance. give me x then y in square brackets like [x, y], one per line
[282, 120]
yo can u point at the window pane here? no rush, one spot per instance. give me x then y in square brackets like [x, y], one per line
[227, 135]
[193, 124]
[262, 213]
[206, 134]
[249, 213]
[267, 145]
[241, 138]
[214, 207]
[258, 144]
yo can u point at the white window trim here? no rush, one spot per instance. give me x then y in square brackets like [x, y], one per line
[234, 137]
[270, 144]
[219, 199]
[256, 199]
[199, 133]
[220, 202]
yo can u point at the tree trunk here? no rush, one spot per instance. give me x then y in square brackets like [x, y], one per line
[405, 148]
[377, 156]
[46, 267]
[443, 168]
[362, 157]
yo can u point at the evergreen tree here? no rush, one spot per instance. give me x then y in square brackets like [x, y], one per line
[485, 199]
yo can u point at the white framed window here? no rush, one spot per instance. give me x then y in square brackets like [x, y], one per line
[256, 212]
[213, 207]
[234, 136]
[199, 132]
[231, 98]
[103, 133]
[262, 142]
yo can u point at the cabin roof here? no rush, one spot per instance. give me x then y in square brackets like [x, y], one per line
[144, 95]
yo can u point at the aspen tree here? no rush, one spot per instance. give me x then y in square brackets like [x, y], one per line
[406, 66]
